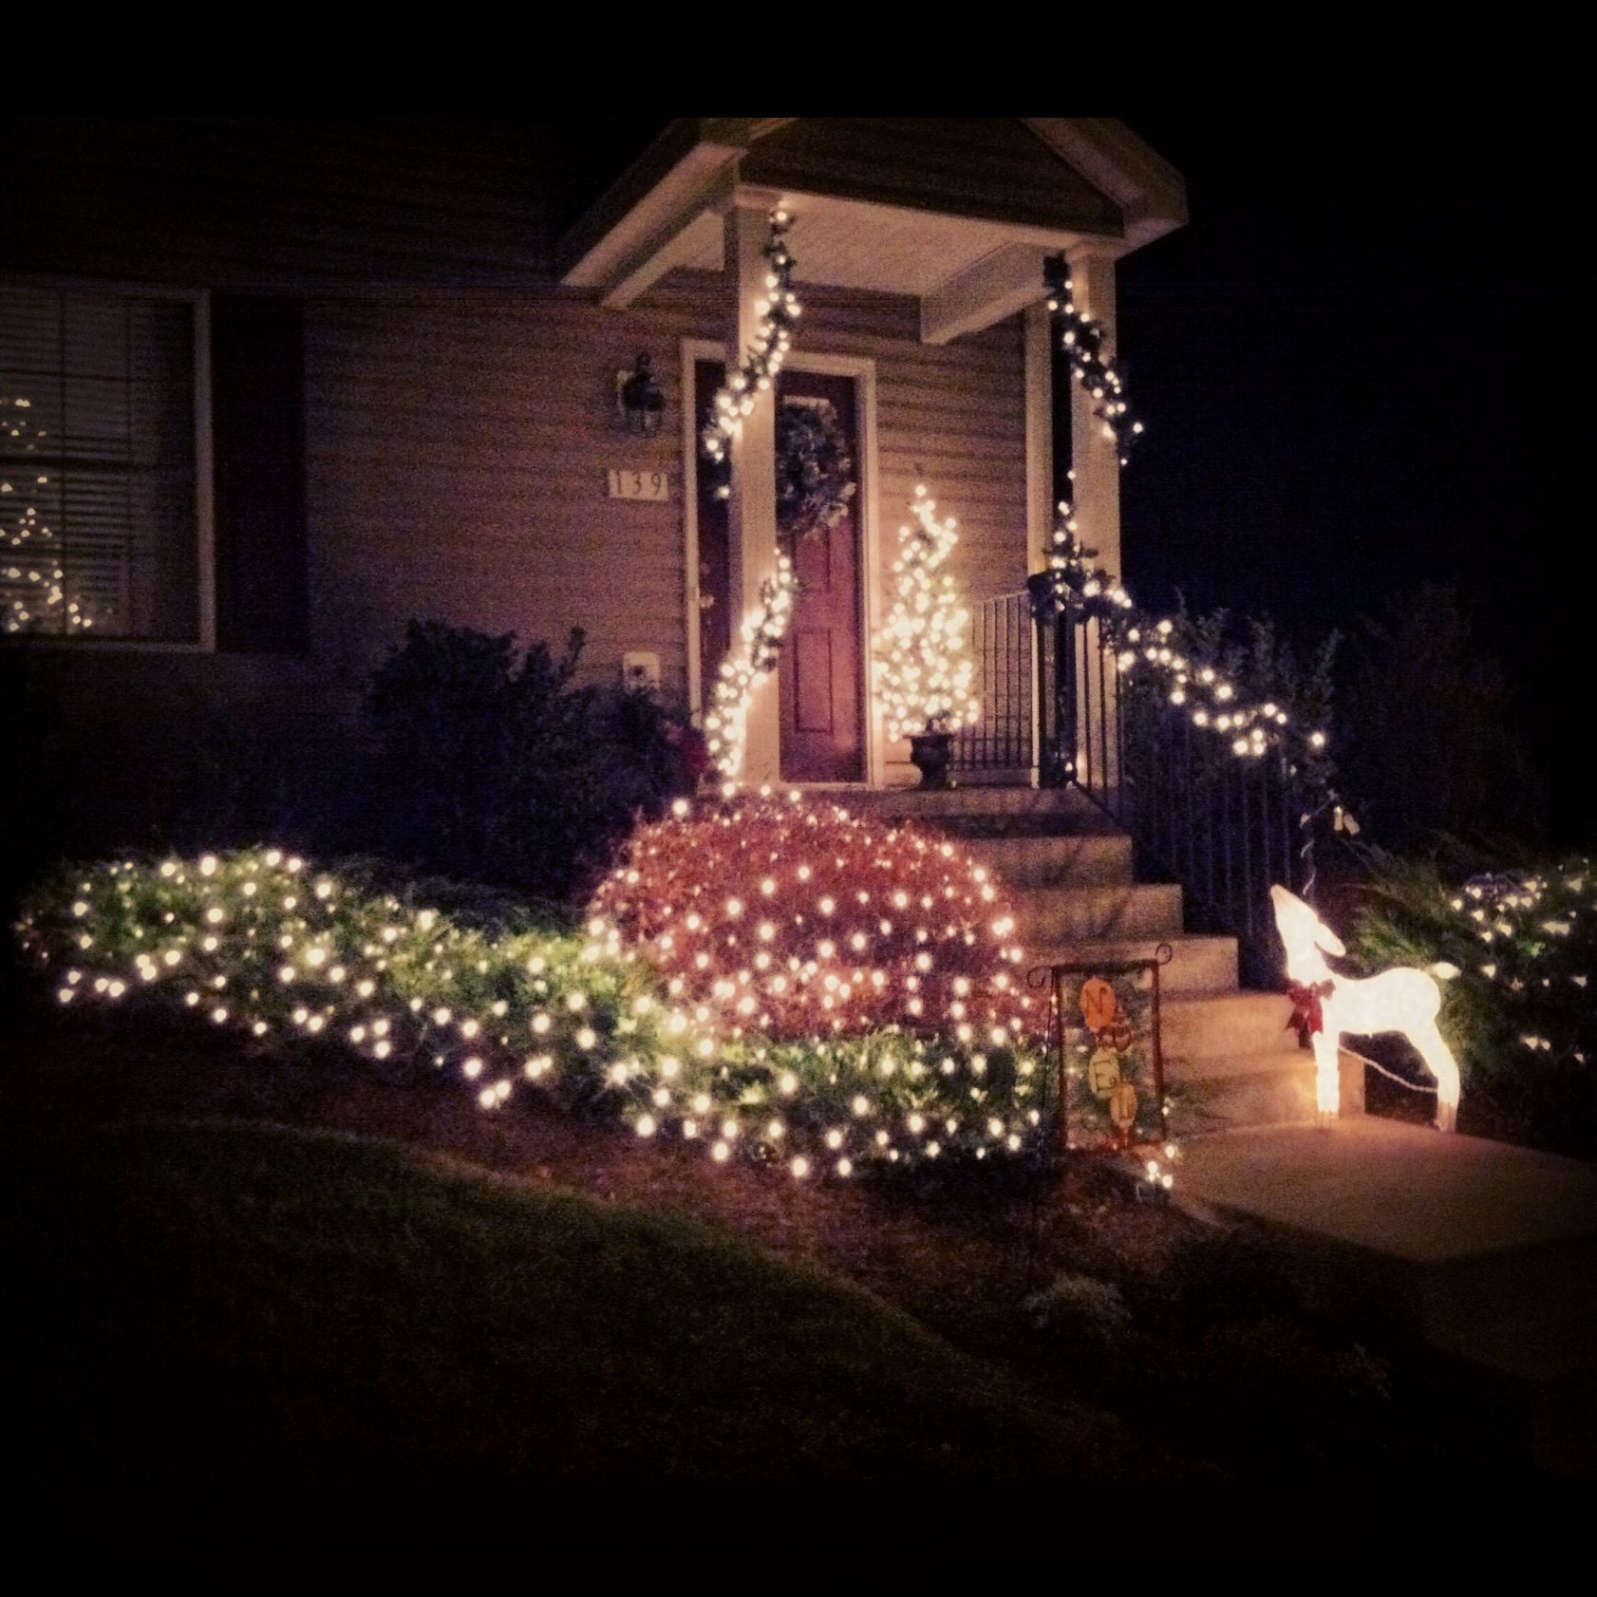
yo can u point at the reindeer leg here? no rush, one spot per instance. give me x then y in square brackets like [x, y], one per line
[1327, 1077]
[1441, 1064]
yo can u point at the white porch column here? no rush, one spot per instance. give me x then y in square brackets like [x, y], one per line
[1094, 458]
[1095, 495]
[1039, 336]
[751, 511]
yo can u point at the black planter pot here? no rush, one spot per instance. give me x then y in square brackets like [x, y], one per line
[932, 753]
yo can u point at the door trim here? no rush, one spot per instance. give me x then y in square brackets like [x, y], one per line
[862, 368]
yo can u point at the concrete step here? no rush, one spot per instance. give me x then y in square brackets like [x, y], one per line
[1269, 1088]
[1484, 1253]
[1256, 1090]
[1100, 859]
[1462, 1234]
[1068, 914]
[1198, 965]
[1221, 1024]
[1061, 809]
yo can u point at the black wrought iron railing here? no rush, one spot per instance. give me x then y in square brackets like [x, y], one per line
[1003, 643]
[1225, 824]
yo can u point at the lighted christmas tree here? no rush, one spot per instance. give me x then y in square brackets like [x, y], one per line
[34, 593]
[923, 673]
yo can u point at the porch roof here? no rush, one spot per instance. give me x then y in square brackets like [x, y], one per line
[958, 212]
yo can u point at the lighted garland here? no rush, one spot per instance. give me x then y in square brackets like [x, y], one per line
[33, 584]
[778, 311]
[726, 725]
[1196, 687]
[923, 677]
[1083, 341]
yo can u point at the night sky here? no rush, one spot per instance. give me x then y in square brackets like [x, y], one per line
[1363, 364]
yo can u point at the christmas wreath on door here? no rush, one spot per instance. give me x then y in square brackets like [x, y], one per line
[814, 469]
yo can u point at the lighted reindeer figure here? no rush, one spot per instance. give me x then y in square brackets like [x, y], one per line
[1403, 1000]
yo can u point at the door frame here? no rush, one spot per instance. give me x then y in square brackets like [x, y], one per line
[862, 369]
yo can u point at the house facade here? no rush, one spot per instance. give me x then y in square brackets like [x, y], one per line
[290, 385]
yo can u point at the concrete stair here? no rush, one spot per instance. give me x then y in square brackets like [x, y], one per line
[1051, 916]
[1229, 1060]
[1481, 1254]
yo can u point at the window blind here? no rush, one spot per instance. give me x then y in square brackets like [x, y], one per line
[98, 529]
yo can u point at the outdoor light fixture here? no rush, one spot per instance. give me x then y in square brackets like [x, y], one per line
[639, 401]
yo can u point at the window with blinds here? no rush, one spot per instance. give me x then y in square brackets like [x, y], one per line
[99, 529]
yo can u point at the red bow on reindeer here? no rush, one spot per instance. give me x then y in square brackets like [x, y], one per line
[1308, 1011]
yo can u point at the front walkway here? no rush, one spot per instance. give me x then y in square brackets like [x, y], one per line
[1484, 1251]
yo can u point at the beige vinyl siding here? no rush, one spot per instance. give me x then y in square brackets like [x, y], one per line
[457, 453]
[456, 448]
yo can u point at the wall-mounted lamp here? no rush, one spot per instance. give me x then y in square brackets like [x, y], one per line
[639, 402]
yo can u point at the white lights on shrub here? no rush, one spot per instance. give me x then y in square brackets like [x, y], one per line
[575, 1017]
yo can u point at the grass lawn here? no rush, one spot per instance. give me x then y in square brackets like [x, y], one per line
[527, 1296]
[251, 1302]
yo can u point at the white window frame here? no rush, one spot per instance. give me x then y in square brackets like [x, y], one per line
[199, 300]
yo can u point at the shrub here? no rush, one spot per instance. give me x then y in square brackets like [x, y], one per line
[1431, 742]
[795, 920]
[1081, 1312]
[262, 943]
[499, 769]
[1518, 1015]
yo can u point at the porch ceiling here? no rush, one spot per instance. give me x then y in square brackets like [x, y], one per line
[958, 214]
[848, 244]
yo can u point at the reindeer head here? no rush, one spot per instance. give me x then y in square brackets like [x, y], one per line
[1306, 937]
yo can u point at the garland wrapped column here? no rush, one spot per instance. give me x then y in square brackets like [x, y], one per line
[1084, 342]
[758, 644]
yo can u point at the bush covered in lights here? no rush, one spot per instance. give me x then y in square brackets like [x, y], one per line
[794, 920]
[1519, 1013]
[264, 944]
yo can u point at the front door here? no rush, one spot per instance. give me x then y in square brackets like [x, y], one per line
[819, 679]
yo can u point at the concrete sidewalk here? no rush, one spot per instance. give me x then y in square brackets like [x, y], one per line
[1485, 1252]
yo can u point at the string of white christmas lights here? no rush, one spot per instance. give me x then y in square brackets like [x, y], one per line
[1143, 644]
[924, 674]
[33, 582]
[726, 727]
[1084, 341]
[761, 634]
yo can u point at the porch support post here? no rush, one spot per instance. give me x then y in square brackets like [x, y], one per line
[1094, 458]
[751, 518]
[1039, 435]
[1039, 481]
[1095, 498]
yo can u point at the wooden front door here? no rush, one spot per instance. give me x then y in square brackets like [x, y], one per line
[820, 678]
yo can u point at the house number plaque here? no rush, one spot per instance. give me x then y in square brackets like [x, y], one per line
[639, 484]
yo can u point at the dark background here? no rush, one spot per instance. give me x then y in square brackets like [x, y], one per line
[1363, 364]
